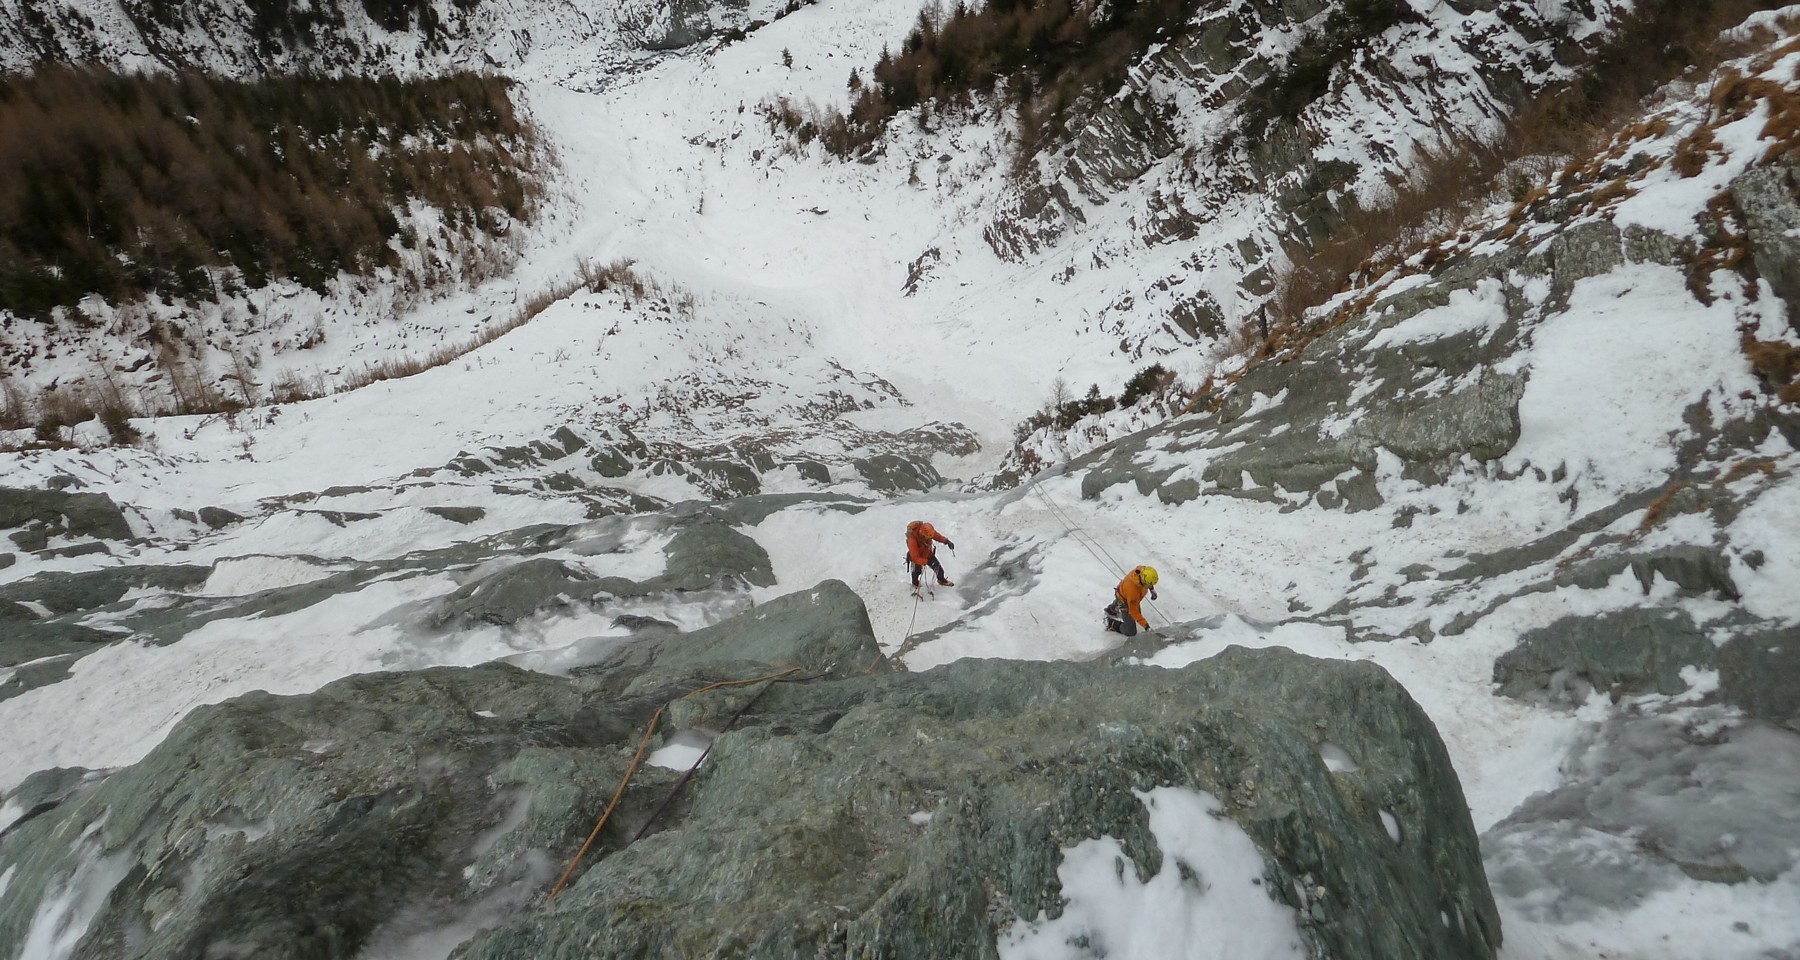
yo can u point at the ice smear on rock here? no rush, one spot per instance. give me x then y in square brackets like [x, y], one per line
[62, 918]
[1208, 900]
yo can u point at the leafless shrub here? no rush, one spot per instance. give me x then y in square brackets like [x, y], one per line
[600, 277]
[15, 411]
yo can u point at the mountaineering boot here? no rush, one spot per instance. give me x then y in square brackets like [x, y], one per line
[945, 583]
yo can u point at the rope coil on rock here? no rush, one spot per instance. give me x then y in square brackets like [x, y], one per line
[638, 758]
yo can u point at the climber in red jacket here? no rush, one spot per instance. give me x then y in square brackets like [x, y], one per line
[921, 552]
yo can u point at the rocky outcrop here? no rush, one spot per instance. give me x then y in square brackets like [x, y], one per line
[1768, 198]
[51, 620]
[850, 811]
[830, 451]
[42, 628]
[1256, 153]
[47, 513]
[1759, 671]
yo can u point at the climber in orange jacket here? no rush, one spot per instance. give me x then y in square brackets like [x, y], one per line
[1123, 615]
[921, 552]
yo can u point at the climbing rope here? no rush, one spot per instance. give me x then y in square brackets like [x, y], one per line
[1094, 547]
[638, 758]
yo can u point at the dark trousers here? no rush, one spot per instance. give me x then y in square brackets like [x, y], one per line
[1120, 618]
[936, 568]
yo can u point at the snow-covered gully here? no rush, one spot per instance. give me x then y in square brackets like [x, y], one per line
[1477, 627]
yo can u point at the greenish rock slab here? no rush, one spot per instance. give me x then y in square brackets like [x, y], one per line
[310, 826]
[710, 554]
[891, 473]
[824, 630]
[291, 827]
[800, 838]
[70, 592]
[1627, 652]
[515, 593]
[39, 671]
[46, 790]
[77, 514]
[1759, 671]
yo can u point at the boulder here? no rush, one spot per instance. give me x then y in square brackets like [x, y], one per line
[920, 815]
[218, 517]
[861, 814]
[711, 554]
[824, 630]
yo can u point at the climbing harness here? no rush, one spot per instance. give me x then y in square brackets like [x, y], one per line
[638, 758]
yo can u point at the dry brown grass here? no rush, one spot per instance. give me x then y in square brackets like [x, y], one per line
[402, 367]
[1611, 192]
[1695, 151]
[100, 394]
[1744, 468]
[1588, 121]
[1654, 513]
[1775, 362]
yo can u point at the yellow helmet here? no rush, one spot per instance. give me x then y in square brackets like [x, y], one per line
[1148, 575]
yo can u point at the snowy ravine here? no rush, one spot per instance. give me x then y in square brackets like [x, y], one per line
[1544, 430]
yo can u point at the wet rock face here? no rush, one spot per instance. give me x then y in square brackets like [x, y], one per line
[860, 813]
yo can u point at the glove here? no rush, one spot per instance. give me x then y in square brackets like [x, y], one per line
[951, 544]
[1153, 593]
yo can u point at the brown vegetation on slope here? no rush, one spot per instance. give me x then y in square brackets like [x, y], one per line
[132, 186]
[1661, 41]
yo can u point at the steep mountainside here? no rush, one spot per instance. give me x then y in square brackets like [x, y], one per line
[371, 36]
[1519, 502]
